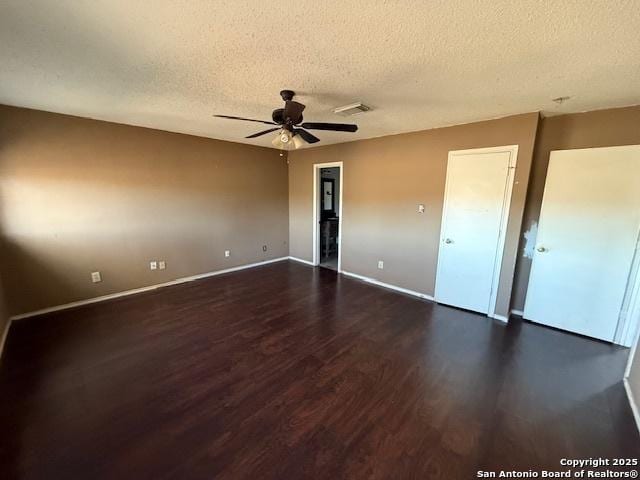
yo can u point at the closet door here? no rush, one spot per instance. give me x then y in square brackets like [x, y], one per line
[586, 240]
[476, 206]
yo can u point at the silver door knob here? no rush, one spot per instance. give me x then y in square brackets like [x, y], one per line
[448, 240]
[542, 249]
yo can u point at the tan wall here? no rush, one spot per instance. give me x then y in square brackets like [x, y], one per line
[79, 195]
[71, 189]
[603, 128]
[384, 181]
[4, 317]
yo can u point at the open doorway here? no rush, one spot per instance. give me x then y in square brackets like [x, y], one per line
[327, 213]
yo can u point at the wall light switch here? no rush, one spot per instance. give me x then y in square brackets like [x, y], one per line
[421, 208]
[162, 265]
[227, 253]
[380, 264]
[96, 277]
[153, 265]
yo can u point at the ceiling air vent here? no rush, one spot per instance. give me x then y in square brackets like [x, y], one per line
[352, 109]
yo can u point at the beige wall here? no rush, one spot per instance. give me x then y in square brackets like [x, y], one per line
[384, 181]
[603, 128]
[4, 317]
[79, 195]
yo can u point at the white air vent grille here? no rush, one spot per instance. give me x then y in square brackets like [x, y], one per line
[352, 109]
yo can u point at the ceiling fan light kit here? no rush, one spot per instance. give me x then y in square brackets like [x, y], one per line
[288, 121]
[297, 141]
[276, 142]
[284, 140]
[284, 136]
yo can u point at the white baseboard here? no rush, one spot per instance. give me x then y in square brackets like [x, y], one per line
[301, 260]
[502, 318]
[517, 312]
[388, 285]
[3, 340]
[143, 289]
[632, 402]
[425, 296]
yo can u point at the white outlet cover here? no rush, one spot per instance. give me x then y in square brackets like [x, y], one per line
[162, 265]
[227, 253]
[421, 208]
[153, 265]
[96, 277]
[380, 264]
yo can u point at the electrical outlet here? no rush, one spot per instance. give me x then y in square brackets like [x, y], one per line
[227, 253]
[162, 265]
[96, 277]
[380, 264]
[153, 265]
[264, 248]
[421, 208]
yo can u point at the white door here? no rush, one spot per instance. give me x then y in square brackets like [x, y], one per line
[476, 205]
[586, 240]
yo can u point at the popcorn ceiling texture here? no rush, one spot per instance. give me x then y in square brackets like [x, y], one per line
[170, 64]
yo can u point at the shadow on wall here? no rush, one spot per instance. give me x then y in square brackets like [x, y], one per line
[79, 196]
[21, 293]
[4, 311]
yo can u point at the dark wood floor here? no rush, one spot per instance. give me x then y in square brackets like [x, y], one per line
[289, 372]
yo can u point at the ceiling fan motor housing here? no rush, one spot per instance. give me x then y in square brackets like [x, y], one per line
[278, 117]
[287, 94]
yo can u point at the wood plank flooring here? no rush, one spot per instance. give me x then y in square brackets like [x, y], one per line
[289, 372]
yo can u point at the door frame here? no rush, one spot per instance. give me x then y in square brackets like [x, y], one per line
[627, 330]
[504, 217]
[316, 211]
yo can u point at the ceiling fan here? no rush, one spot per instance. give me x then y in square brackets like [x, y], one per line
[291, 129]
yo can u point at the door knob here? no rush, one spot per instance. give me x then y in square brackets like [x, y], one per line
[542, 249]
[448, 240]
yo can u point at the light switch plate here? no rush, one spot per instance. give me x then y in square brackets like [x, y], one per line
[227, 253]
[96, 277]
[162, 265]
[153, 265]
[380, 264]
[421, 208]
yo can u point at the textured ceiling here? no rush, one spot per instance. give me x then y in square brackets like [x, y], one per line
[171, 64]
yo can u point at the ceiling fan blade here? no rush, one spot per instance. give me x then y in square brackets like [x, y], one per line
[336, 127]
[306, 136]
[264, 132]
[245, 119]
[293, 111]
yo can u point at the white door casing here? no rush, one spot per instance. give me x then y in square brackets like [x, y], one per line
[315, 242]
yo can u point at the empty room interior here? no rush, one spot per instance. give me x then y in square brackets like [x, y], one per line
[355, 240]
